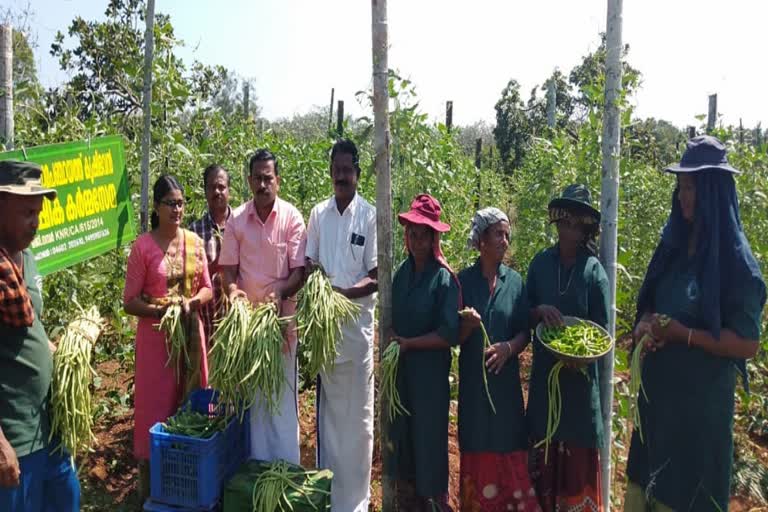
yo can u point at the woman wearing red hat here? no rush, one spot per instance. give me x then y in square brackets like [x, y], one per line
[425, 303]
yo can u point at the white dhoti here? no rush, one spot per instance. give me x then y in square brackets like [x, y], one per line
[276, 436]
[345, 433]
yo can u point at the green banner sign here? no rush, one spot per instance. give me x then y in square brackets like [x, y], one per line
[92, 213]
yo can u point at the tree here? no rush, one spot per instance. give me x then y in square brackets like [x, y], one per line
[513, 128]
[107, 63]
[231, 96]
[656, 142]
[590, 74]
[468, 135]
[26, 86]
[537, 104]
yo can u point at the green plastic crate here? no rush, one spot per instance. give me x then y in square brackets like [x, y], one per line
[238, 494]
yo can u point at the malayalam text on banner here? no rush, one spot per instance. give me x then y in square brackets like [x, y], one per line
[92, 213]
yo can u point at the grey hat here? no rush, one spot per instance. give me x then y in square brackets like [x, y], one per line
[23, 179]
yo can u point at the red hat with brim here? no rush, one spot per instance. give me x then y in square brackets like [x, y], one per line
[425, 210]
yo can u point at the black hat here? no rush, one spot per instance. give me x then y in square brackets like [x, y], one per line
[575, 197]
[23, 179]
[703, 153]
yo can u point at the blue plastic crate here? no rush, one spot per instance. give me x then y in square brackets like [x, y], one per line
[154, 506]
[192, 472]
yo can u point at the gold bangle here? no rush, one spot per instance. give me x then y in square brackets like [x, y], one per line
[690, 333]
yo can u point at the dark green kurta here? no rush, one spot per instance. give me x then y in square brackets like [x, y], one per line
[586, 297]
[26, 370]
[505, 315]
[688, 419]
[422, 303]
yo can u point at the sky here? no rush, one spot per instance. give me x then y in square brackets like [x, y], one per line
[297, 50]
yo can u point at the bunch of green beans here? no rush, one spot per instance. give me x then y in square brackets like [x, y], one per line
[554, 409]
[71, 414]
[388, 392]
[636, 378]
[321, 313]
[486, 344]
[247, 357]
[172, 324]
[270, 490]
[195, 424]
[581, 340]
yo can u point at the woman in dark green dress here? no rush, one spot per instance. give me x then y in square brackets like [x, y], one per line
[493, 438]
[568, 279]
[425, 322]
[703, 277]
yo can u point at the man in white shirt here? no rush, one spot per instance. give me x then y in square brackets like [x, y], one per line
[342, 238]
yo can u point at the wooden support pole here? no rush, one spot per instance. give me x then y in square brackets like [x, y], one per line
[712, 114]
[330, 111]
[340, 119]
[449, 115]
[551, 103]
[381, 151]
[609, 208]
[146, 136]
[741, 132]
[246, 99]
[478, 166]
[6, 86]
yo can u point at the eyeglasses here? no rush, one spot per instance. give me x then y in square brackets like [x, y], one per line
[179, 203]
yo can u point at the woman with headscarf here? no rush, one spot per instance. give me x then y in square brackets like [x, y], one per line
[492, 433]
[567, 279]
[705, 279]
[425, 303]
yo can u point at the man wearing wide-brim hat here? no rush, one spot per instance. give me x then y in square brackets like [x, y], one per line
[34, 475]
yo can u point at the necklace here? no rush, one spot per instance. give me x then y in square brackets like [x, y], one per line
[172, 263]
[568, 285]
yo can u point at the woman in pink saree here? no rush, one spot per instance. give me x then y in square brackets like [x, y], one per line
[166, 265]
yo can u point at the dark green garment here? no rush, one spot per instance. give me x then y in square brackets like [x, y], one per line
[26, 370]
[422, 303]
[505, 315]
[585, 297]
[688, 419]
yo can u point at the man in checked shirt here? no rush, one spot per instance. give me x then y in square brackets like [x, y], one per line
[210, 228]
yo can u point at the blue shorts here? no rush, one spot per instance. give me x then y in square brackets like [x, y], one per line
[48, 483]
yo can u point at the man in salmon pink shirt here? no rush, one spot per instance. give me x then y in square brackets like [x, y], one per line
[262, 259]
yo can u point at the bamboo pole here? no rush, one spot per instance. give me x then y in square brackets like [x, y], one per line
[146, 137]
[383, 216]
[609, 207]
[6, 85]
